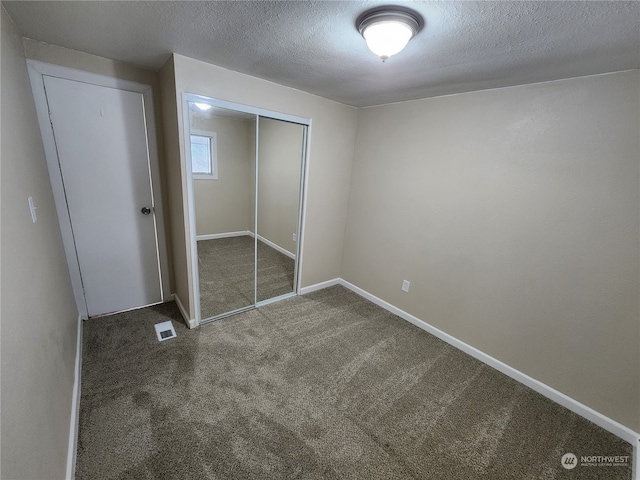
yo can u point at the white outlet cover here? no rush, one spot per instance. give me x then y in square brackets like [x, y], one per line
[405, 285]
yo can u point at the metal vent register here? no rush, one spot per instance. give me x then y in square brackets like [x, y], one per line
[164, 331]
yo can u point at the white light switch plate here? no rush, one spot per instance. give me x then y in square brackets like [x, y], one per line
[32, 209]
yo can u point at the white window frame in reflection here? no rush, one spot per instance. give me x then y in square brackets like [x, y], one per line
[212, 153]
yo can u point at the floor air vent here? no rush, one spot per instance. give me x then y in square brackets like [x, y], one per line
[164, 331]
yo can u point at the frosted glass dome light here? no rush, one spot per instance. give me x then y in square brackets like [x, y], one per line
[388, 30]
[387, 38]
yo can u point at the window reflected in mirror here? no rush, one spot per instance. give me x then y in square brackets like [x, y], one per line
[204, 158]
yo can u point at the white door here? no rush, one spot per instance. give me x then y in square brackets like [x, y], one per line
[101, 140]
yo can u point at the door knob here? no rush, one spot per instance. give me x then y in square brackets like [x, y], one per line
[145, 210]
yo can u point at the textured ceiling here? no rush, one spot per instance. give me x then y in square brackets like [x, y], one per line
[315, 47]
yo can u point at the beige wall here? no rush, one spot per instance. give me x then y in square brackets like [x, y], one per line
[175, 189]
[279, 164]
[514, 214]
[66, 57]
[332, 144]
[39, 316]
[226, 204]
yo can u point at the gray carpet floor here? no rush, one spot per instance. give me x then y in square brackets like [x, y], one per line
[226, 271]
[321, 386]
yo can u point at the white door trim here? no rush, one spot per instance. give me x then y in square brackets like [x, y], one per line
[302, 220]
[39, 69]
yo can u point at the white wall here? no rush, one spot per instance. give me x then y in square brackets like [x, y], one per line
[39, 316]
[515, 215]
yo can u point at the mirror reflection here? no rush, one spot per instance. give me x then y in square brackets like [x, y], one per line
[280, 149]
[246, 172]
[223, 167]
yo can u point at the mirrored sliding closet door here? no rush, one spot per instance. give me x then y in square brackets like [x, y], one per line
[247, 167]
[280, 152]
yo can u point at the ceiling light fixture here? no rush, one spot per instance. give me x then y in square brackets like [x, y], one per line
[203, 106]
[387, 30]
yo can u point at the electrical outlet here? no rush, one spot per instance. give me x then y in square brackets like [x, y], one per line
[295, 237]
[405, 285]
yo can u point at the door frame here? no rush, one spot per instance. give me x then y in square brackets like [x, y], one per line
[190, 230]
[37, 71]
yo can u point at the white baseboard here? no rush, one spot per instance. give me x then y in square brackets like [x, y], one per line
[74, 422]
[276, 247]
[215, 236]
[320, 286]
[190, 322]
[584, 411]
